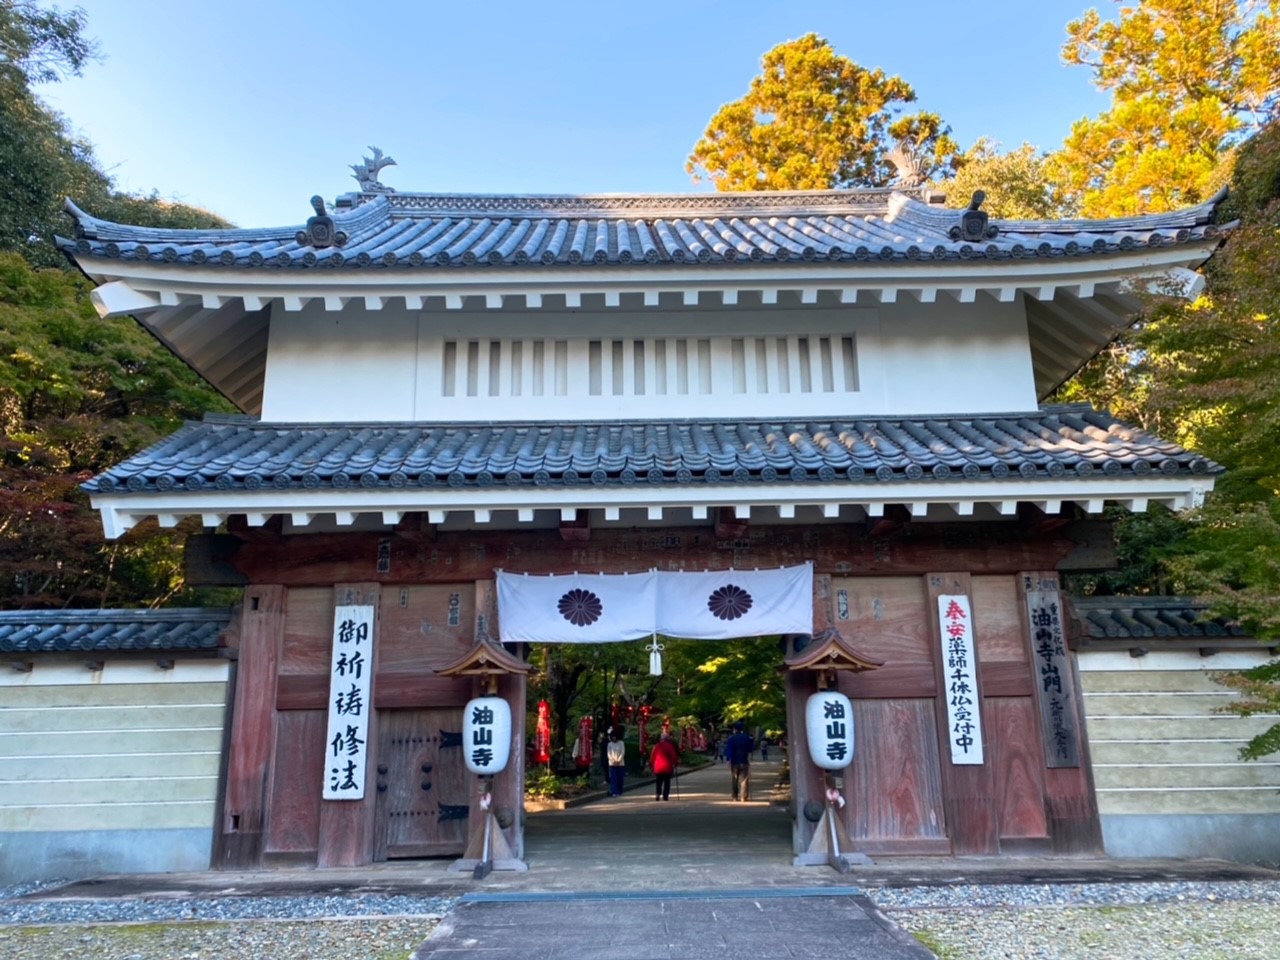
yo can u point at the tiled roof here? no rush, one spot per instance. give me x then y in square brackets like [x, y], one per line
[105, 631]
[403, 230]
[1132, 618]
[234, 453]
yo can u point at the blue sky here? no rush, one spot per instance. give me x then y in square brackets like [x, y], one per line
[249, 108]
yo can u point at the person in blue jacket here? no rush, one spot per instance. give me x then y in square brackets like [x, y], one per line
[737, 750]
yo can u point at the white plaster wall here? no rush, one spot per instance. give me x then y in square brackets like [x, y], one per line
[390, 365]
[955, 358]
[109, 771]
[340, 365]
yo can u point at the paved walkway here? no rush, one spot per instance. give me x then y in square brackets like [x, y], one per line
[700, 875]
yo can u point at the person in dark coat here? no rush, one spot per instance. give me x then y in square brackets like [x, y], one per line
[663, 762]
[737, 750]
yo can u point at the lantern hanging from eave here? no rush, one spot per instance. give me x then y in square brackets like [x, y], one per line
[542, 734]
[486, 735]
[828, 717]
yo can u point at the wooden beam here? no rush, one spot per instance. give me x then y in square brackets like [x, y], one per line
[577, 530]
[985, 547]
[729, 526]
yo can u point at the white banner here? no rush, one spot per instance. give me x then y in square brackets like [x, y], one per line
[964, 714]
[606, 608]
[350, 684]
[724, 604]
[576, 607]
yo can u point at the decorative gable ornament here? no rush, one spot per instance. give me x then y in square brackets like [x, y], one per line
[321, 230]
[366, 173]
[973, 224]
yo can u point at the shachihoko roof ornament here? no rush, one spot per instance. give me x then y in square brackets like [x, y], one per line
[366, 173]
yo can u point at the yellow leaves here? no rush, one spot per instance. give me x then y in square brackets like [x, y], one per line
[1188, 76]
[811, 120]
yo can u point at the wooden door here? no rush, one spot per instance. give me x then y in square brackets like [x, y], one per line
[423, 800]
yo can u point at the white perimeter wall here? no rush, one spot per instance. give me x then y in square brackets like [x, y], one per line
[109, 770]
[1166, 765]
[767, 362]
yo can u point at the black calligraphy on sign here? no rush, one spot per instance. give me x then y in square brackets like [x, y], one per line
[964, 723]
[1054, 690]
[350, 691]
[481, 745]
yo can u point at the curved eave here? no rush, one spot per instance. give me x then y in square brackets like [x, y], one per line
[785, 502]
[217, 319]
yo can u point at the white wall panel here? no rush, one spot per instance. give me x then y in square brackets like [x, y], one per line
[783, 361]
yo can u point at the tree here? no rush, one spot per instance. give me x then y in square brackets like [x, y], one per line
[815, 120]
[76, 395]
[1213, 372]
[1189, 80]
[1017, 184]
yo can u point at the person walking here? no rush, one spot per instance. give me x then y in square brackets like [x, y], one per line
[737, 750]
[617, 754]
[663, 761]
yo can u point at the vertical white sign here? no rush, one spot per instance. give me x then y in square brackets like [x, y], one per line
[960, 673]
[350, 702]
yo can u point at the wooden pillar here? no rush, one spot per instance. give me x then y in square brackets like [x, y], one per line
[807, 782]
[806, 779]
[253, 728]
[508, 786]
[347, 826]
[968, 790]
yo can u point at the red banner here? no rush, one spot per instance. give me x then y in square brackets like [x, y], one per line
[582, 755]
[542, 735]
[644, 730]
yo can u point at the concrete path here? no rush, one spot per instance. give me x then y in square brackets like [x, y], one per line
[633, 878]
[745, 925]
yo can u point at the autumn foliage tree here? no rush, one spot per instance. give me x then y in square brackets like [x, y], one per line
[815, 120]
[1189, 79]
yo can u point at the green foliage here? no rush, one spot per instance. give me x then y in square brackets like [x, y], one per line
[40, 46]
[78, 394]
[1016, 184]
[815, 120]
[720, 682]
[1207, 374]
[1189, 79]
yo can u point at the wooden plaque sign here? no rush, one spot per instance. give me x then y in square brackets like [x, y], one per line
[1055, 690]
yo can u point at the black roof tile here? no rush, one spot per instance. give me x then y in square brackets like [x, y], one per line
[238, 453]
[103, 631]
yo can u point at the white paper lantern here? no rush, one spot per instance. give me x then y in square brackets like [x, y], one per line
[828, 721]
[486, 735]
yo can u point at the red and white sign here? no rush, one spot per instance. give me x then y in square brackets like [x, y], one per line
[960, 672]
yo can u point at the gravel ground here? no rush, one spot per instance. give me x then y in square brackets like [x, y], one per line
[363, 927]
[1101, 921]
[1123, 921]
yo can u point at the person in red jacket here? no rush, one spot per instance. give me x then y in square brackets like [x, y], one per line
[663, 762]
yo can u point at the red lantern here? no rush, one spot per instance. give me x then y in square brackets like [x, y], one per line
[542, 735]
[582, 756]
